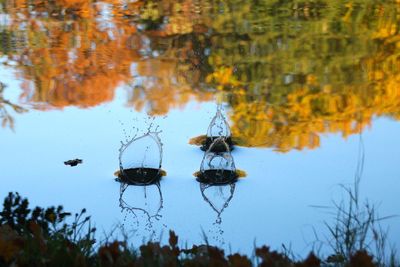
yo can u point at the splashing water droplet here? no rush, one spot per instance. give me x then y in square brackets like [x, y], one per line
[218, 128]
[218, 167]
[218, 197]
[140, 160]
[134, 203]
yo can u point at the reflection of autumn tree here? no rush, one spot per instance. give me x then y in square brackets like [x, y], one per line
[77, 52]
[294, 75]
[72, 61]
[174, 77]
[160, 88]
[291, 70]
[176, 62]
[5, 117]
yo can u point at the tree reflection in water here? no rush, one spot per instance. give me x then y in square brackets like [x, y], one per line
[5, 116]
[315, 66]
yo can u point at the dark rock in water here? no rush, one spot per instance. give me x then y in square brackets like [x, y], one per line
[140, 176]
[215, 177]
[218, 147]
[73, 162]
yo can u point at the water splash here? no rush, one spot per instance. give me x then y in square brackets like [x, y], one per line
[218, 167]
[140, 208]
[219, 198]
[218, 128]
[140, 159]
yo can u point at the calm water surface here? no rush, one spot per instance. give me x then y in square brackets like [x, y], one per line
[305, 87]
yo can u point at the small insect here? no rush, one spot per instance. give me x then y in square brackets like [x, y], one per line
[73, 162]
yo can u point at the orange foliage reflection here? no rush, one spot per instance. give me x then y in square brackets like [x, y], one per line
[288, 77]
[71, 61]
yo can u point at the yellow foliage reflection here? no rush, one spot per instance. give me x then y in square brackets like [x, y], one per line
[290, 70]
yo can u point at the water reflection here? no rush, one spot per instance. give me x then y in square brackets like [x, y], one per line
[140, 161]
[6, 118]
[290, 71]
[143, 204]
[218, 197]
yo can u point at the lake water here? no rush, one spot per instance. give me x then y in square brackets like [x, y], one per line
[311, 90]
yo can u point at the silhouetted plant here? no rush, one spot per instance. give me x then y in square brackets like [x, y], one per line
[42, 237]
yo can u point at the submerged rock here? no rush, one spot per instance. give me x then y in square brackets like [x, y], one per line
[140, 176]
[218, 147]
[205, 142]
[73, 162]
[217, 177]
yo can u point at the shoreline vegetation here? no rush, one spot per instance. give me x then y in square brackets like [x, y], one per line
[45, 237]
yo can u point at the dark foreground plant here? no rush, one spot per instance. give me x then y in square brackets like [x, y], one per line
[356, 231]
[357, 228]
[42, 237]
